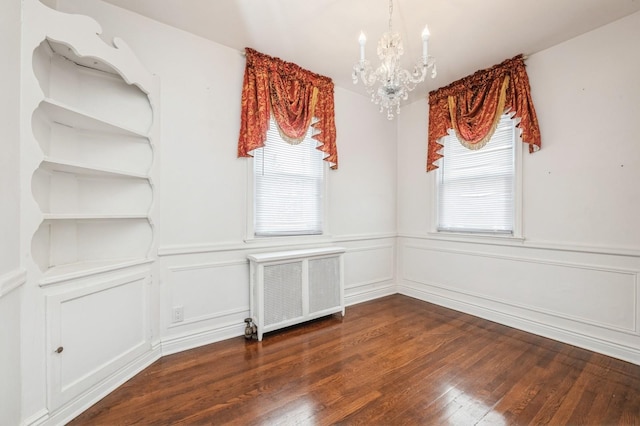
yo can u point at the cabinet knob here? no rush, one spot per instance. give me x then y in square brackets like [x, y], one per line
[59, 350]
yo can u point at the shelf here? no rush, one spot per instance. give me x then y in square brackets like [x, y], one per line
[86, 170]
[80, 216]
[72, 117]
[87, 61]
[69, 271]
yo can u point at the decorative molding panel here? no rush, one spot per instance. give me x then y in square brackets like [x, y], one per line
[599, 296]
[369, 265]
[369, 273]
[208, 292]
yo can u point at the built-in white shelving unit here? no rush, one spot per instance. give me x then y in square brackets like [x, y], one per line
[94, 185]
[89, 197]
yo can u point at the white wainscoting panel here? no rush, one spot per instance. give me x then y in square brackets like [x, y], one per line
[100, 328]
[369, 271]
[214, 296]
[207, 291]
[583, 293]
[590, 300]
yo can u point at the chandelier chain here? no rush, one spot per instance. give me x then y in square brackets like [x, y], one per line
[390, 14]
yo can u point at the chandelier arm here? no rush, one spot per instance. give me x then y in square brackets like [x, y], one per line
[367, 75]
[406, 80]
[419, 74]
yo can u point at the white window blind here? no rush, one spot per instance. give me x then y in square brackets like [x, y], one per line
[288, 186]
[476, 189]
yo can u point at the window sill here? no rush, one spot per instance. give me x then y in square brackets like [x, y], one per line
[289, 240]
[476, 238]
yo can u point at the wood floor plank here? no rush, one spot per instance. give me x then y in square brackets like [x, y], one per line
[394, 360]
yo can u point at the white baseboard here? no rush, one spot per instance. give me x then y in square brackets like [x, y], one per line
[613, 349]
[37, 419]
[369, 294]
[186, 341]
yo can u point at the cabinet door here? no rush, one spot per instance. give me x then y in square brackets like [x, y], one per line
[94, 331]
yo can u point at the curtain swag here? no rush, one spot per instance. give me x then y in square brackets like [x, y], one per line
[297, 98]
[472, 107]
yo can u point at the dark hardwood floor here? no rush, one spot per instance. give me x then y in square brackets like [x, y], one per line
[391, 361]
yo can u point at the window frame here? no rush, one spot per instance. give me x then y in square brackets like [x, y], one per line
[517, 235]
[250, 235]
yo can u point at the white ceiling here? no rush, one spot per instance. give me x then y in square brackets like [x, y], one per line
[322, 35]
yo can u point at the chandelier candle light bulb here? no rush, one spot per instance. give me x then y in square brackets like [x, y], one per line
[389, 83]
[362, 40]
[425, 40]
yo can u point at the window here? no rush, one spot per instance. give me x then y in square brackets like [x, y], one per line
[288, 186]
[477, 188]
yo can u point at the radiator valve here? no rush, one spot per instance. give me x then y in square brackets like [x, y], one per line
[251, 330]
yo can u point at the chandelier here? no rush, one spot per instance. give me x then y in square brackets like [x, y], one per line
[389, 83]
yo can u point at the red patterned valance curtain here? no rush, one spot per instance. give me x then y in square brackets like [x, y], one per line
[473, 105]
[296, 98]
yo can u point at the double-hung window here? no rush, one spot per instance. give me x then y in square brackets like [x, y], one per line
[288, 186]
[477, 189]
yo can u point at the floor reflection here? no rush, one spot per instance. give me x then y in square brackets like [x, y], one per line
[298, 412]
[461, 408]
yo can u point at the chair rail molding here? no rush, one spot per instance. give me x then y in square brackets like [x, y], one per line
[267, 243]
[11, 281]
[565, 246]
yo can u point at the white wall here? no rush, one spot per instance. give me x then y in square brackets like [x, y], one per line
[11, 275]
[9, 137]
[575, 276]
[580, 189]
